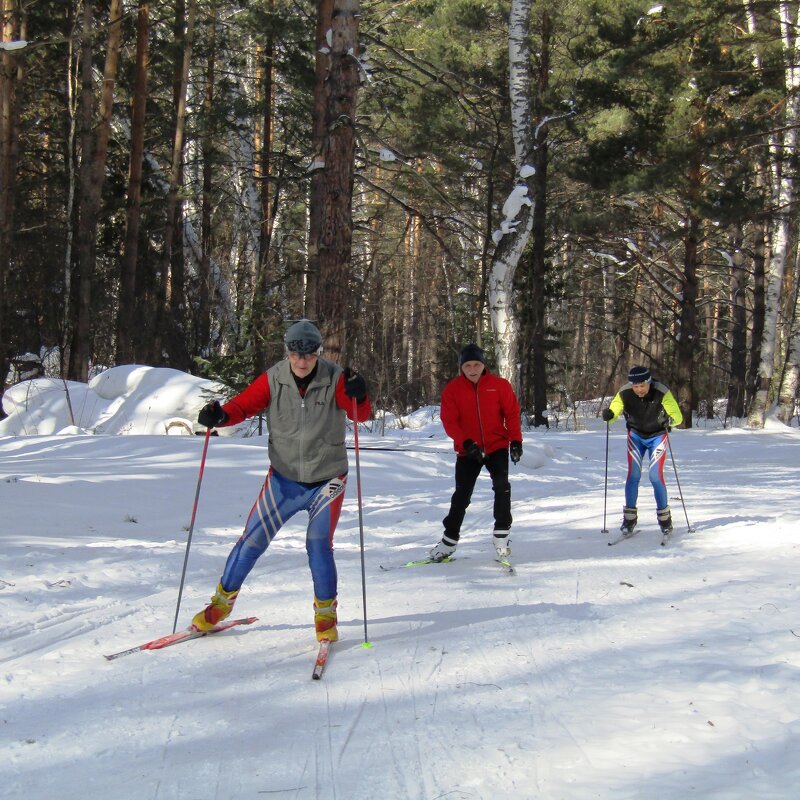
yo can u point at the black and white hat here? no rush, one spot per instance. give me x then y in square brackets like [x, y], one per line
[639, 375]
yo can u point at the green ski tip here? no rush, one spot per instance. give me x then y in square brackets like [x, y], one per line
[424, 561]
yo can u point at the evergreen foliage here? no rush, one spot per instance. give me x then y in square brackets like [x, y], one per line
[660, 161]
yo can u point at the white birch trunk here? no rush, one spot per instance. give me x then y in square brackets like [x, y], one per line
[515, 229]
[787, 396]
[784, 151]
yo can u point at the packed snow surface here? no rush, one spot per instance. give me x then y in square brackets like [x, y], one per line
[633, 672]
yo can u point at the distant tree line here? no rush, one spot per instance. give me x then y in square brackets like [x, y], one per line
[576, 185]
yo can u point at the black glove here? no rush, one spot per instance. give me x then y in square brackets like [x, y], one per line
[665, 420]
[211, 415]
[516, 451]
[607, 415]
[355, 387]
[473, 451]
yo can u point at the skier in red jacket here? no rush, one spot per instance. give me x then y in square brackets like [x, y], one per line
[480, 413]
[306, 399]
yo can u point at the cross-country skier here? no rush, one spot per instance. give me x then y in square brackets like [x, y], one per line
[650, 411]
[480, 413]
[306, 399]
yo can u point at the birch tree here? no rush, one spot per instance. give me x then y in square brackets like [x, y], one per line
[515, 228]
[784, 151]
[787, 396]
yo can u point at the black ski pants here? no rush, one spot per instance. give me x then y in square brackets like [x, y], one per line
[467, 471]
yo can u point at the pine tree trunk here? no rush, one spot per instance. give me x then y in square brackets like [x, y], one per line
[94, 153]
[128, 332]
[262, 321]
[331, 219]
[539, 247]
[203, 313]
[173, 342]
[79, 347]
[689, 333]
[738, 332]
[758, 312]
[10, 76]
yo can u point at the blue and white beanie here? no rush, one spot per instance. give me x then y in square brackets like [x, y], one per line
[639, 375]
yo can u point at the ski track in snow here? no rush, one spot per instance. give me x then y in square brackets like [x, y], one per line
[593, 673]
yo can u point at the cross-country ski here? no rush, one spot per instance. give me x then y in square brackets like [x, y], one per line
[624, 536]
[322, 659]
[181, 636]
[422, 562]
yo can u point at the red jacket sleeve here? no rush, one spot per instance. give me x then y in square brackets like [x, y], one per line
[511, 412]
[363, 409]
[448, 413]
[254, 399]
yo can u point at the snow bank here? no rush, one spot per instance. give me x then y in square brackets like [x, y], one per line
[130, 399]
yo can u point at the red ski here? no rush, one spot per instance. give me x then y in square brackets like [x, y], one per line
[182, 636]
[322, 659]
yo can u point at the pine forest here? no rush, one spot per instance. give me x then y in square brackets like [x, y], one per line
[575, 185]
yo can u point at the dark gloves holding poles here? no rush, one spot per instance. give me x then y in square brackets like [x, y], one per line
[211, 415]
[355, 387]
[472, 451]
[516, 451]
[607, 415]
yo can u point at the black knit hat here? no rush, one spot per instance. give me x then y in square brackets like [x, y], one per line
[639, 375]
[471, 353]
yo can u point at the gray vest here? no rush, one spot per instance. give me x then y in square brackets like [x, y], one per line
[306, 434]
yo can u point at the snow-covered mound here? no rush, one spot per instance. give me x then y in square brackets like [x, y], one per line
[130, 399]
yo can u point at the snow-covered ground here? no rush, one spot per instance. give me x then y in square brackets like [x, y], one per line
[628, 672]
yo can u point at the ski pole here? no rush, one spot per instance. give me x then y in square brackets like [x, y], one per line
[689, 526]
[191, 527]
[360, 522]
[605, 483]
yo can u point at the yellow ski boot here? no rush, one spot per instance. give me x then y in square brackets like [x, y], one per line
[220, 607]
[325, 619]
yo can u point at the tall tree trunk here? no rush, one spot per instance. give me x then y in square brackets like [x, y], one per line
[331, 217]
[516, 227]
[127, 330]
[738, 332]
[689, 333]
[262, 321]
[539, 248]
[172, 328]
[759, 243]
[94, 152]
[10, 76]
[772, 304]
[71, 164]
[784, 152]
[787, 395]
[758, 313]
[203, 316]
[79, 348]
